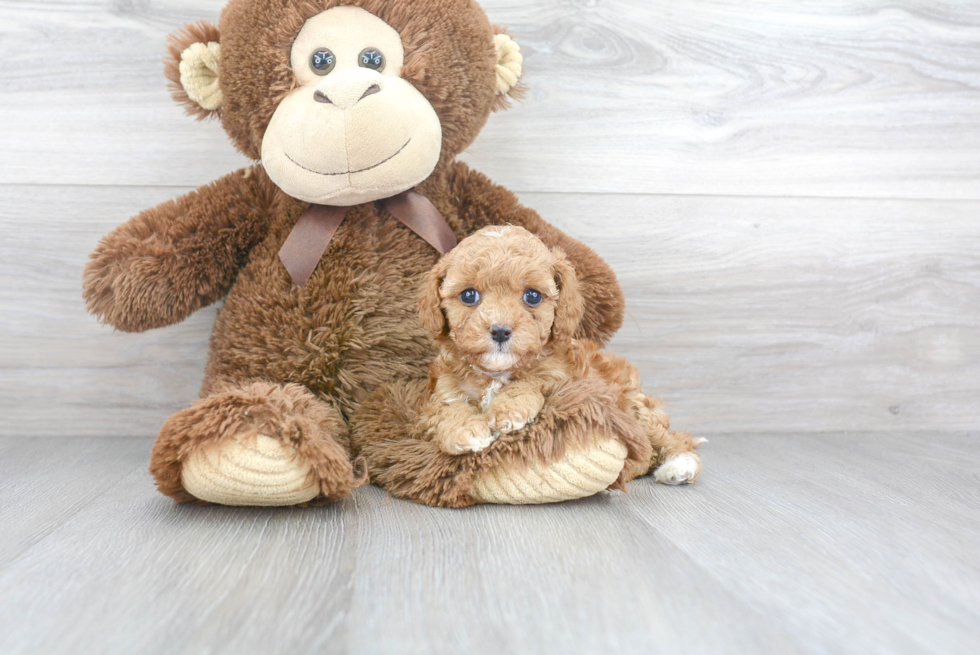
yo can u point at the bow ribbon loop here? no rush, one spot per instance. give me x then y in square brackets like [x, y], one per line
[317, 226]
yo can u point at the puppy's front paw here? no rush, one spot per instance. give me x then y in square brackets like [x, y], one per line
[471, 437]
[680, 469]
[510, 417]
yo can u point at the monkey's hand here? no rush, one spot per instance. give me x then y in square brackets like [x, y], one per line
[169, 261]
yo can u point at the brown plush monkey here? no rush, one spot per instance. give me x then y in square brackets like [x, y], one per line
[356, 110]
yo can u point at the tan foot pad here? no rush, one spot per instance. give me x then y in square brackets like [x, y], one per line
[583, 472]
[249, 472]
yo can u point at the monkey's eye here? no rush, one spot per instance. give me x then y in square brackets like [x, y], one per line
[372, 58]
[322, 61]
[469, 297]
[533, 297]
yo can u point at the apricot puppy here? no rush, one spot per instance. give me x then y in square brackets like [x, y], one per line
[504, 309]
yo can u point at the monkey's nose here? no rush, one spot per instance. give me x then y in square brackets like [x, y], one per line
[501, 333]
[371, 90]
[345, 96]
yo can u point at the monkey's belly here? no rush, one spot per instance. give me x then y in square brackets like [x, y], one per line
[351, 328]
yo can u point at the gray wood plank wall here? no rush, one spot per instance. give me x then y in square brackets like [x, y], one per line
[790, 193]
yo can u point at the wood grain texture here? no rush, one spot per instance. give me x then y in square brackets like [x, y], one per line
[841, 535]
[591, 579]
[51, 349]
[745, 314]
[44, 483]
[813, 98]
[790, 543]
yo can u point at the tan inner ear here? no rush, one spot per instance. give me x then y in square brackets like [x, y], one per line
[510, 63]
[199, 74]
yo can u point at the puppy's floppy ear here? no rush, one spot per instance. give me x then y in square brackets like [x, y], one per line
[571, 305]
[193, 54]
[430, 303]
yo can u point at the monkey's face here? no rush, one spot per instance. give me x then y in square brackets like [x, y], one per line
[353, 130]
[346, 101]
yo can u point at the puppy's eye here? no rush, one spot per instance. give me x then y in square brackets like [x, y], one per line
[372, 58]
[322, 61]
[533, 297]
[469, 297]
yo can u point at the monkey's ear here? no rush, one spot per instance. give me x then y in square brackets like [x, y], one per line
[510, 67]
[193, 54]
[430, 302]
[571, 304]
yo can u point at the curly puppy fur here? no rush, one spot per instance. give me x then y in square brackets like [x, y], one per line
[300, 363]
[507, 400]
[506, 352]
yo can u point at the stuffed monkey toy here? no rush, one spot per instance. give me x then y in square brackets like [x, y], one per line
[354, 112]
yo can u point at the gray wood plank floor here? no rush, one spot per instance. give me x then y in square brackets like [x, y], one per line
[789, 543]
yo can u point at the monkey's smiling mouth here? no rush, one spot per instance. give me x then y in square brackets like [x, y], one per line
[385, 161]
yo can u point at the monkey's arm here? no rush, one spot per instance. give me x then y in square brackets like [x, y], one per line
[167, 262]
[482, 203]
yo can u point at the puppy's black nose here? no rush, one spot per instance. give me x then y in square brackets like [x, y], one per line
[500, 333]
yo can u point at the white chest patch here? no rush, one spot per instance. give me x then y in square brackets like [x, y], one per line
[491, 391]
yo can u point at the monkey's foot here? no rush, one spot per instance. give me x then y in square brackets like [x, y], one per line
[584, 471]
[249, 470]
[254, 444]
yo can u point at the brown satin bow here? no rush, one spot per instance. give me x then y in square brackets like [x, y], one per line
[317, 226]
